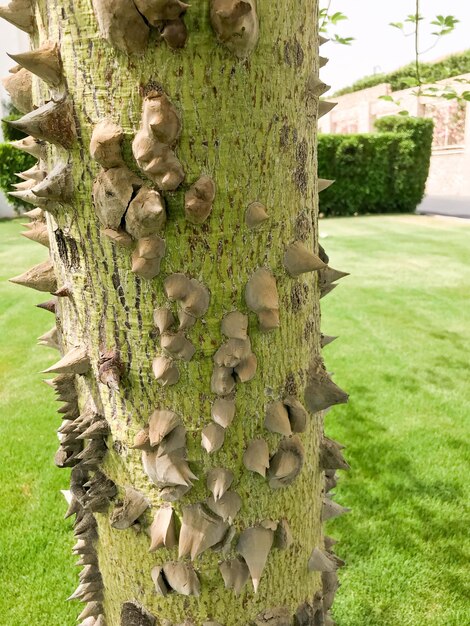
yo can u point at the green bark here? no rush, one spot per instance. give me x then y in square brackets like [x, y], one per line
[251, 126]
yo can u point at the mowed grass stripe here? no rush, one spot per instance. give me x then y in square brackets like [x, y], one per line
[404, 329]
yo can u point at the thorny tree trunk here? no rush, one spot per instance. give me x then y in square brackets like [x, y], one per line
[155, 365]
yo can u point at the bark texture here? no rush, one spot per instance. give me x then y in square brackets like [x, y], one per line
[248, 133]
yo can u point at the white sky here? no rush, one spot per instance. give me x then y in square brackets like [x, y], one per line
[381, 48]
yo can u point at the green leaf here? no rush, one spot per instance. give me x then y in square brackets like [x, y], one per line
[398, 25]
[447, 24]
[386, 98]
[345, 41]
[450, 20]
[412, 18]
[404, 113]
[439, 21]
[337, 17]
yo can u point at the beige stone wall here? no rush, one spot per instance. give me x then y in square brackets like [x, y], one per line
[450, 168]
[353, 112]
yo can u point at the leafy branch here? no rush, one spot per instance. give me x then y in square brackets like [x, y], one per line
[328, 20]
[445, 24]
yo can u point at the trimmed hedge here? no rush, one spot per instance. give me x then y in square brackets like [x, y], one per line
[13, 161]
[384, 172]
[405, 77]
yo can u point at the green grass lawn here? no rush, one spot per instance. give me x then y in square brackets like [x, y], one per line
[37, 570]
[403, 318]
[404, 324]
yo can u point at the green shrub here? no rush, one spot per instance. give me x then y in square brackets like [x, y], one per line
[10, 133]
[414, 157]
[13, 161]
[453, 65]
[383, 172]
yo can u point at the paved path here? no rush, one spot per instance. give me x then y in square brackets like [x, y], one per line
[445, 205]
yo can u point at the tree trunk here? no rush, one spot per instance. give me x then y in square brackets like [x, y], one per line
[247, 109]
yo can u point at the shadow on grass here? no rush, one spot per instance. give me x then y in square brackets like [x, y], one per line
[397, 518]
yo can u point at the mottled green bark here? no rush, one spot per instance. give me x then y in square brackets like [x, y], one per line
[249, 125]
